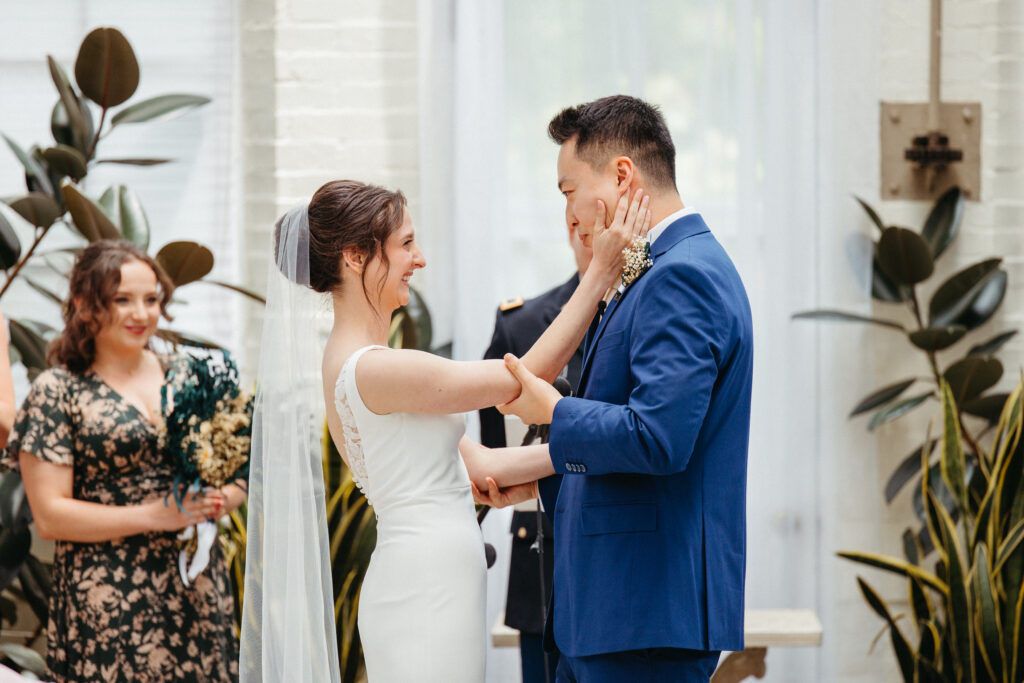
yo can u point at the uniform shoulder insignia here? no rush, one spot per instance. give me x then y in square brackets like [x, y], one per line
[511, 304]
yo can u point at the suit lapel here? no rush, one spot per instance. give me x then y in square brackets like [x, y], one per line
[613, 306]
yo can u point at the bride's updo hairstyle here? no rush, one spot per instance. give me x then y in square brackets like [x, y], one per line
[345, 214]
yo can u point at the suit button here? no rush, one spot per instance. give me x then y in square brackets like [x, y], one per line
[522, 532]
[583, 468]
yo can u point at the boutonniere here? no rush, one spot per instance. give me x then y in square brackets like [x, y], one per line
[638, 260]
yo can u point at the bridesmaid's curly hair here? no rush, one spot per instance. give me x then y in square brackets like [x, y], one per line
[94, 281]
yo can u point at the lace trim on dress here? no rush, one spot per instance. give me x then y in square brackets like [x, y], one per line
[353, 441]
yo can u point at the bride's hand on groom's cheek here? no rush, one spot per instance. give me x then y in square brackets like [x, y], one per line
[632, 219]
[536, 402]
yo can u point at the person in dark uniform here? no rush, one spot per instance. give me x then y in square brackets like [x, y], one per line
[517, 326]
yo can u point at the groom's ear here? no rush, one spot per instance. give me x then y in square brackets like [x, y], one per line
[625, 173]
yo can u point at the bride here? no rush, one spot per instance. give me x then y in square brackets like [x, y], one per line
[396, 417]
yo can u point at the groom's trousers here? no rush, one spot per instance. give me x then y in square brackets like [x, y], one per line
[656, 665]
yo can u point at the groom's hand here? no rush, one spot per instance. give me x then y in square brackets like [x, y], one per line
[536, 402]
[499, 498]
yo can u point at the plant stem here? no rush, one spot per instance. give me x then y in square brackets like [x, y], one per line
[24, 260]
[96, 138]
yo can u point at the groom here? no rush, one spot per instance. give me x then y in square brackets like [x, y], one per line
[648, 502]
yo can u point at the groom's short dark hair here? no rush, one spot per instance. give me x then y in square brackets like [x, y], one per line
[619, 125]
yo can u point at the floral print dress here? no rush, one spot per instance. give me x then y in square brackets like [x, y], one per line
[119, 609]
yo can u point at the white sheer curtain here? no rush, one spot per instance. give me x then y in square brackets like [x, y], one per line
[740, 84]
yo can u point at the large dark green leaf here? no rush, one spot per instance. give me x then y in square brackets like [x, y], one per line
[14, 548]
[186, 339]
[989, 347]
[88, 217]
[162, 107]
[906, 471]
[987, 407]
[106, 69]
[70, 122]
[956, 294]
[66, 160]
[986, 303]
[989, 641]
[959, 604]
[897, 566]
[255, 296]
[38, 209]
[969, 377]
[904, 655]
[912, 547]
[872, 214]
[829, 314]
[937, 338]
[897, 409]
[185, 262]
[919, 601]
[882, 286]
[125, 211]
[883, 395]
[10, 245]
[943, 221]
[30, 345]
[33, 170]
[904, 256]
[1008, 546]
[134, 162]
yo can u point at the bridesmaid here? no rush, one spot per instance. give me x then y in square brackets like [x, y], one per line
[86, 441]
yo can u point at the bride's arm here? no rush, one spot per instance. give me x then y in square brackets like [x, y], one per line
[507, 467]
[408, 381]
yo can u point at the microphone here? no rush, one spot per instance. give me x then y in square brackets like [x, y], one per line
[490, 554]
[563, 386]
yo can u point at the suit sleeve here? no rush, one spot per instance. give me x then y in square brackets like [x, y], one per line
[492, 423]
[675, 346]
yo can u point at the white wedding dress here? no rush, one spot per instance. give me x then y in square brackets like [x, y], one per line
[422, 605]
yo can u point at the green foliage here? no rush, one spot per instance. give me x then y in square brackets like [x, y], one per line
[964, 566]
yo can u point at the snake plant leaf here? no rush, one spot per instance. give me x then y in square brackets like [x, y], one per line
[134, 162]
[969, 377]
[252, 294]
[10, 245]
[38, 209]
[14, 548]
[955, 295]
[186, 339]
[906, 470]
[106, 69]
[897, 566]
[1009, 546]
[30, 345]
[162, 107]
[89, 219]
[943, 222]
[986, 407]
[904, 256]
[882, 286]
[919, 603]
[70, 121]
[937, 338]
[897, 410]
[33, 170]
[881, 396]
[959, 604]
[912, 547]
[904, 654]
[929, 645]
[66, 160]
[988, 301]
[125, 211]
[993, 345]
[831, 314]
[989, 642]
[872, 214]
[951, 449]
[185, 261]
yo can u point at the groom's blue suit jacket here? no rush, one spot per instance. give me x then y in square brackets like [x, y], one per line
[650, 497]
